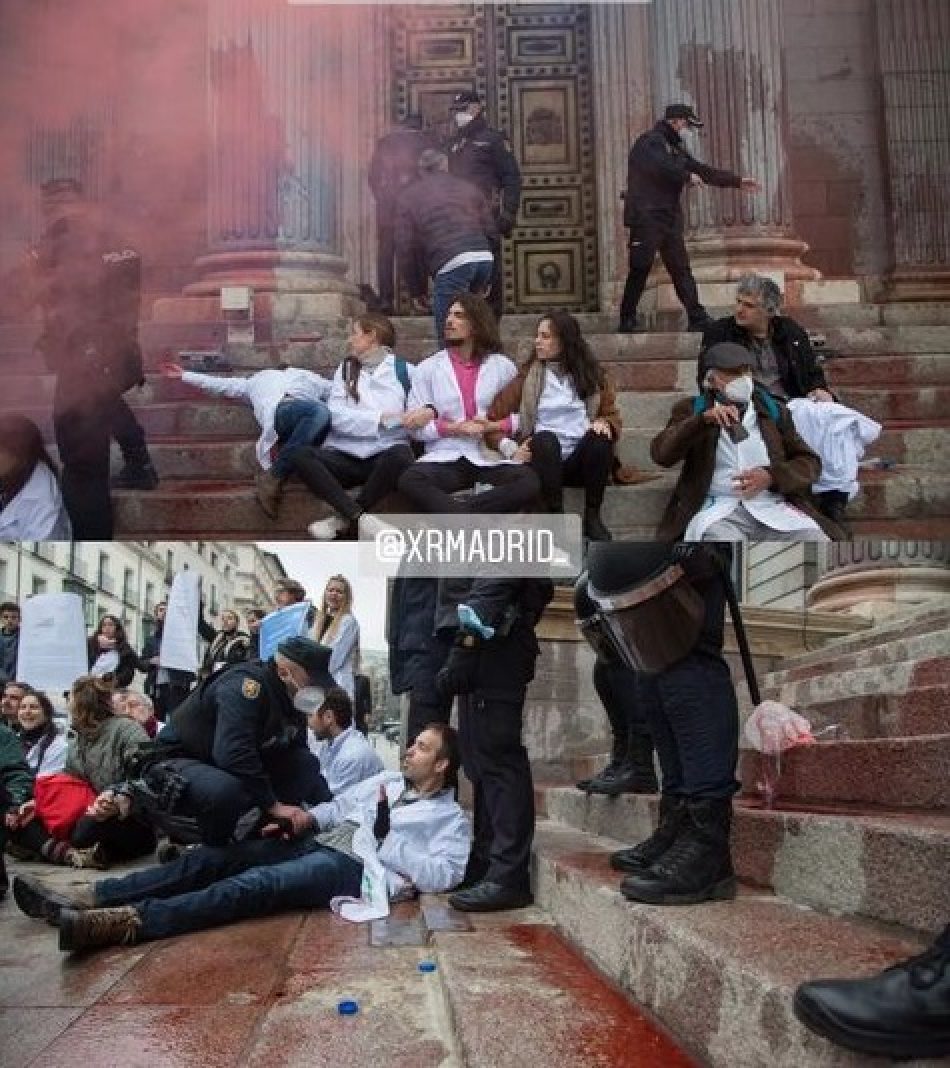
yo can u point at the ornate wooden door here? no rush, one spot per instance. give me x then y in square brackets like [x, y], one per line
[530, 63]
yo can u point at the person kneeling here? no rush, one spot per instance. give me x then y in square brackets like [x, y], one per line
[423, 843]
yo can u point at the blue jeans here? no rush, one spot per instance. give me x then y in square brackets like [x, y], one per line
[298, 423]
[470, 278]
[208, 886]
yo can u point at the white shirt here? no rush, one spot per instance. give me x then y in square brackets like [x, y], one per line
[345, 645]
[561, 411]
[54, 758]
[723, 499]
[347, 760]
[435, 383]
[264, 391]
[37, 512]
[428, 841]
[839, 435]
[355, 425]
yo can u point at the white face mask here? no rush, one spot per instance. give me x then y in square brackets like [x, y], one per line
[739, 390]
[462, 119]
[309, 699]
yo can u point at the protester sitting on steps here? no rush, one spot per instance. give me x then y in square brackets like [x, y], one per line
[422, 839]
[31, 501]
[367, 444]
[346, 757]
[44, 744]
[290, 410]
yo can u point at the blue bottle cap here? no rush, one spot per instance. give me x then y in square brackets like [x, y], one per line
[427, 966]
[347, 1008]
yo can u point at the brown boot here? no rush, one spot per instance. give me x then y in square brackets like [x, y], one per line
[268, 487]
[98, 927]
[41, 902]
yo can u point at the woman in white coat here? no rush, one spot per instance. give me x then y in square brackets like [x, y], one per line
[368, 443]
[44, 745]
[31, 502]
[337, 628]
[457, 384]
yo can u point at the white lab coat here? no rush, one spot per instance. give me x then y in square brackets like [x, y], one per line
[839, 435]
[428, 841]
[434, 383]
[37, 512]
[346, 646]
[346, 760]
[767, 507]
[264, 391]
[354, 425]
[561, 411]
[54, 758]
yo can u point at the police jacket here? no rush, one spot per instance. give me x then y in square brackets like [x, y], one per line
[393, 165]
[410, 627]
[798, 365]
[441, 216]
[513, 608]
[481, 156]
[234, 718]
[90, 287]
[659, 168]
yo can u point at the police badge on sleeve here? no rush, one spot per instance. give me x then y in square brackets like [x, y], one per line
[251, 689]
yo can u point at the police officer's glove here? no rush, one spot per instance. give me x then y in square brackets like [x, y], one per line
[505, 224]
[461, 668]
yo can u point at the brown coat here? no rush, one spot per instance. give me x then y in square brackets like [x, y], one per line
[687, 437]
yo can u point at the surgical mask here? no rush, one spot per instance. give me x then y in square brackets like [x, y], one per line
[739, 390]
[309, 699]
[462, 119]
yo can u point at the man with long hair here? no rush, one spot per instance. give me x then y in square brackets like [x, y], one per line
[457, 384]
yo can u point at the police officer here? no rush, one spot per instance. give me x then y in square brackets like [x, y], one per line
[482, 156]
[658, 170]
[391, 169]
[691, 707]
[240, 744]
[490, 665]
[88, 287]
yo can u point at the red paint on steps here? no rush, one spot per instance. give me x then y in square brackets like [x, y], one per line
[624, 1036]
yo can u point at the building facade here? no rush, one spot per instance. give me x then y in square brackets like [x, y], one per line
[230, 139]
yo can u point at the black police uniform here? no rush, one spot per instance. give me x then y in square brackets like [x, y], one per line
[495, 676]
[482, 156]
[244, 747]
[90, 299]
[391, 169]
[658, 169]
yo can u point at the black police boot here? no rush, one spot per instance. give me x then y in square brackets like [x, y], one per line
[638, 858]
[634, 775]
[904, 1012]
[697, 866]
[136, 476]
[618, 757]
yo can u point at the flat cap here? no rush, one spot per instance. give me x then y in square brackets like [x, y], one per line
[727, 356]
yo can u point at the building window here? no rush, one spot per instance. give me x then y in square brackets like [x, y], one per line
[149, 597]
[128, 586]
[39, 584]
[85, 595]
[4, 589]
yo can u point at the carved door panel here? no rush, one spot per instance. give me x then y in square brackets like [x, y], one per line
[530, 63]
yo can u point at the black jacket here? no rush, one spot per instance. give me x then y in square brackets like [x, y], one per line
[393, 165]
[150, 650]
[659, 168]
[128, 662]
[481, 156]
[441, 216]
[236, 716]
[798, 365]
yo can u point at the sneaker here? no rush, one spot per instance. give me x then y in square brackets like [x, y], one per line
[327, 529]
[370, 526]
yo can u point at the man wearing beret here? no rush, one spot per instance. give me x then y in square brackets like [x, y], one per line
[659, 168]
[239, 744]
[746, 474]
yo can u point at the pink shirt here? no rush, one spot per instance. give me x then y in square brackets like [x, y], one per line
[466, 376]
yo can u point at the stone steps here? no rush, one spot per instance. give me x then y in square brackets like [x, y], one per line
[721, 975]
[839, 859]
[906, 773]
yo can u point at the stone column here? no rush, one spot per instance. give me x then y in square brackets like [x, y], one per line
[914, 55]
[279, 112]
[623, 109]
[725, 58]
[879, 579]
